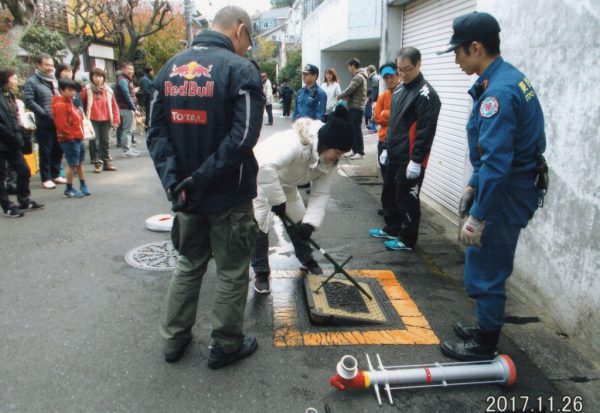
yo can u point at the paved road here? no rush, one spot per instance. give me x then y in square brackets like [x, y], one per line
[79, 325]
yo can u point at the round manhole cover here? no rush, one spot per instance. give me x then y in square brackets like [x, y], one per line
[155, 256]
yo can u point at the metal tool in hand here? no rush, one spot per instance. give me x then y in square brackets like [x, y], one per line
[338, 268]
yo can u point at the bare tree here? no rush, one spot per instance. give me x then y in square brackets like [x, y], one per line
[23, 13]
[118, 22]
[21, 10]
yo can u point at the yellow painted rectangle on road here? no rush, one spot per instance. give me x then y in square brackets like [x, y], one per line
[416, 331]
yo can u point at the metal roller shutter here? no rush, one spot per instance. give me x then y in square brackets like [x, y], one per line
[428, 27]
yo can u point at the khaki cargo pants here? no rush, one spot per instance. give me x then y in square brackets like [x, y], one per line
[229, 236]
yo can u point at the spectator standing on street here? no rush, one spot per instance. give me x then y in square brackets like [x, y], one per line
[506, 139]
[128, 108]
[268, 91]
[413, 120]
[69, 131]
[147, 86]
[311, 100]
[65, 71]
[356, 95]
[286, 93]
[38, 91]
[12, 138]
[381, 110]
[102, 110]
[202, 132]
[331, 87]
[372, 95]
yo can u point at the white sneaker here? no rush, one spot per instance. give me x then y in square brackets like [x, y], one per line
[60, 180]
[349, 154]
[48, 185]
[131, 154]
[357, 156]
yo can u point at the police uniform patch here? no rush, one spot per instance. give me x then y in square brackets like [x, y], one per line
[489, 107]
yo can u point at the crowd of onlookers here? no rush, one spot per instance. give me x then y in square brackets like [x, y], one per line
[60, 115]
[319, 102]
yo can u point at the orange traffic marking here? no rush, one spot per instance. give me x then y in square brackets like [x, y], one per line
[285, 317]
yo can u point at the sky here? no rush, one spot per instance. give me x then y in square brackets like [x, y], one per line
[211, 7]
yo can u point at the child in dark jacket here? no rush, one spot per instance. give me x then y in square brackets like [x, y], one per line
[69, 133]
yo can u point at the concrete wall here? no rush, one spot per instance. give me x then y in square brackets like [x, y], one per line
[556, 44]
[340, 29]
[338, 60]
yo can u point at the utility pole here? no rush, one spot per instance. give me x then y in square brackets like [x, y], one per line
[187, 14]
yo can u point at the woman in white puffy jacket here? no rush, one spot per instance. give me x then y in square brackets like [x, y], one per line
[307, 153]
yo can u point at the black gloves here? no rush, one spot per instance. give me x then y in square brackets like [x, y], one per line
[279, 209]
[466, 202]
[304, 230]
[179, 195]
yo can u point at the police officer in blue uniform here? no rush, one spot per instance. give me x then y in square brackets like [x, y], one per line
[506, 141]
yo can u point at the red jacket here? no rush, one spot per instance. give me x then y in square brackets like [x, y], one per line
[99, 111]
[68, 120]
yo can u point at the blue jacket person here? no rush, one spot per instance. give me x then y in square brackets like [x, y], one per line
[506, 141]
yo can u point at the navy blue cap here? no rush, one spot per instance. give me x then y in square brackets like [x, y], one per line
[472, 27]
[312, 69]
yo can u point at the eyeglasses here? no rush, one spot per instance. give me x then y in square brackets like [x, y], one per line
[406, 69]
[247, 33]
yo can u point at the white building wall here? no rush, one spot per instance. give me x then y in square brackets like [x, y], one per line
[340, 29]
[556, 44]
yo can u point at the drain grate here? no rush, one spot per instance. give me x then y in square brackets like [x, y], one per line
[339, 302]
[155, 256]
[345, 297]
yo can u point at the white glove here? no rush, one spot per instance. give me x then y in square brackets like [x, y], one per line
[383, 157]
[471, 231]
[413, 170]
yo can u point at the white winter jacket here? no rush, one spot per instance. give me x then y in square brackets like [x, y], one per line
[268, 91]
[288, 159]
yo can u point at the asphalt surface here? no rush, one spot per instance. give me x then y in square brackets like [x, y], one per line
[79, 325]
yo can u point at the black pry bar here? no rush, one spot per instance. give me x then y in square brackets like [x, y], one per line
[338, 269]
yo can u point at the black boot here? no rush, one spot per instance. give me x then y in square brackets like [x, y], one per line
[464, 332]
[261, 283]
[482, 346]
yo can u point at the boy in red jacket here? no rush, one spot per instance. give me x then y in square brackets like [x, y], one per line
[69, 133]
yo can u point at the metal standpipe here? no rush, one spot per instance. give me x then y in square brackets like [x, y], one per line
[500, 370]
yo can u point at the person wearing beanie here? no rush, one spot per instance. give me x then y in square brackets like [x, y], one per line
[305, 154]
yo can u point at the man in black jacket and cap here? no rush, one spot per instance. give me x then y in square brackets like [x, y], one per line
[206, 117]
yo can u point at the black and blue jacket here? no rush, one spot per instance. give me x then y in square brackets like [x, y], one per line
[205, 119]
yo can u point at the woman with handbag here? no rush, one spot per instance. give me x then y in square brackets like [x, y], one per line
[11, 149]
[101, 108]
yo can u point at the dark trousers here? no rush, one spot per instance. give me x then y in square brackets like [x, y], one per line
[401, 204]
[260, 254]
[287, 106]
[16, 160]
[99, 150]
[147, 103]
[380, 146]
[488, 267]
[358, 145]
[269, 109]
[50, 152]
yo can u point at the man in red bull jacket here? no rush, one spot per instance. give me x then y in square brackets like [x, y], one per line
[205, 119]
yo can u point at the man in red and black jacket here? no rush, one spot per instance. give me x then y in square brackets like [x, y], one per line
[413, 121]
[205, 119]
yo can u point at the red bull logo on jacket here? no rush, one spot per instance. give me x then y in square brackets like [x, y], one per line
[190, 88]
[191, 70]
